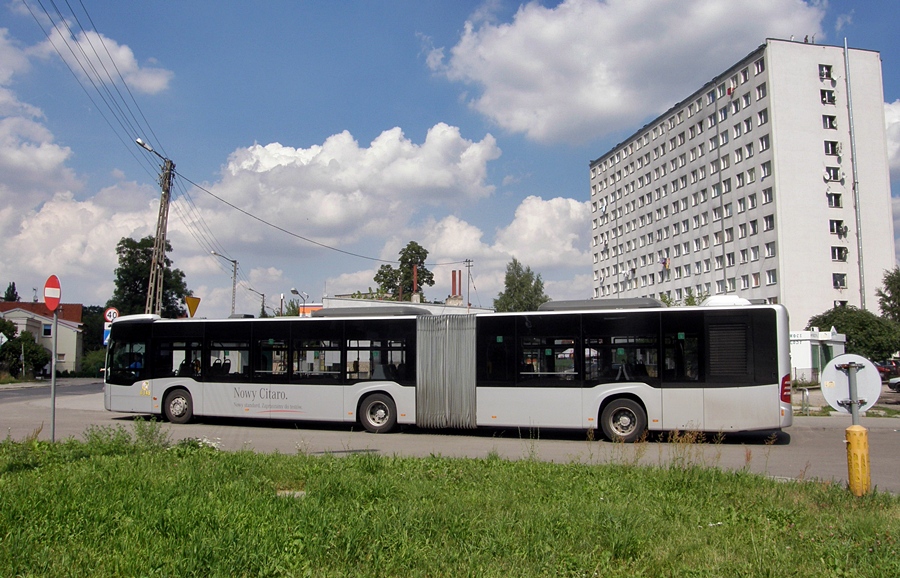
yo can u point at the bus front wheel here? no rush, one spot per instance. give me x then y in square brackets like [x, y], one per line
[377, 413]
[178, 406]
[623, 420]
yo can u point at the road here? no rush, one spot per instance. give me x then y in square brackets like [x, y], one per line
[813, 449]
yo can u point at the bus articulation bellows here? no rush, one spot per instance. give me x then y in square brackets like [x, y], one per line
[624, 367]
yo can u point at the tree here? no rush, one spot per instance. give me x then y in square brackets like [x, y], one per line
[11, 293]
[690, 300]
[889, 296]
[523, 290]
[93, 362]
[92, 321]
[36, 356]
[867, 334]
[133, 275]
[398, 282]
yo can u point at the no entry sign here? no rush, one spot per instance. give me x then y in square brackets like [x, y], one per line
[52, 293]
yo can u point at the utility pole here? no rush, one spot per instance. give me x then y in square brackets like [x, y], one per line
[158, 262]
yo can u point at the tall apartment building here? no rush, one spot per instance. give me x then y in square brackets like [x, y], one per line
[770, 182]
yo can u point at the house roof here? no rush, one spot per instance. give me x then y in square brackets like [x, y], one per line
[67, 311]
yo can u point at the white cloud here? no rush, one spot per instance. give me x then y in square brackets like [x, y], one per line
[892, 128]
[101, 60]
[75, 240]
[552, 233]
[587, 68]
[338, 191]
[545, 235]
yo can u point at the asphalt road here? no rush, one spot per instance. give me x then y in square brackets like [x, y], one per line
[813, 449]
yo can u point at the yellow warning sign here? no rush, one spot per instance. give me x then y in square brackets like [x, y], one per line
[192, 303]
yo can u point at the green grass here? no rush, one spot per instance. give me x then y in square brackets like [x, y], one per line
[132, 503]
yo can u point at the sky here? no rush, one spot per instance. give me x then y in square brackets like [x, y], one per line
[313, 140]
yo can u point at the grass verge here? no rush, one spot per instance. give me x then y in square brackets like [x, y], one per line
[132, 503]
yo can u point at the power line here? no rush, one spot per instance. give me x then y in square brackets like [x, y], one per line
[121, 113]
[297, 235]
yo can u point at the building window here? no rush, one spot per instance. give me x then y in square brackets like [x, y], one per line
[762, 117]
[827, 96]
[745, 281]
[839, 280]
[839, 254]
[748, 125]
[770, 249]
[768, 222]
[742, 230]
[764, 143]
[742, 205]
[729, 260]
[759, 66]
[767, 196]
[834, 200]
[829, 121]
[761, 91]
[770, 277]
[751, 199]
[832, 174]
[836, 227]
[754, 228]
[754, 253]
[832, 148]
[825, 71]
[47, 330]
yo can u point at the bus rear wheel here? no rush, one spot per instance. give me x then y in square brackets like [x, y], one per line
[623, 420]
[377, 413]
[178, 406]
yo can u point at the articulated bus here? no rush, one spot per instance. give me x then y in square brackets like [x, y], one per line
[624, 367]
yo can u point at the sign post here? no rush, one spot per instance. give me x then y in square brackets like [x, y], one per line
[52, 295]
[851, 381]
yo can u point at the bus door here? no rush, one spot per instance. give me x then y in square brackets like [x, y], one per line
[127, 376]
[683, 373]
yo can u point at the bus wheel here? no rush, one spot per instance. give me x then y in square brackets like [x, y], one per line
[178, 406]
[377, 413]
[623, 420]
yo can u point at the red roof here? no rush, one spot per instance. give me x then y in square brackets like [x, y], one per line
[67, 311]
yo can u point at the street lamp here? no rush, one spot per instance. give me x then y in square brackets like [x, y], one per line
[302, 295]
[233, 276]
[263, 295]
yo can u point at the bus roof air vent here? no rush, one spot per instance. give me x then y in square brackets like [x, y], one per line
[369, 311]
[592, 304]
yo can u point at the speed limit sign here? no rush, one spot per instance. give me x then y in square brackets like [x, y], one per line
[110, 314]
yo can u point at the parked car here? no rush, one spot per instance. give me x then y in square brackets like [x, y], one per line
[894, 366]
[894, 384]
[883, 370]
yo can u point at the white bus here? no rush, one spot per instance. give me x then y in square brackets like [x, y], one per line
[624, 367]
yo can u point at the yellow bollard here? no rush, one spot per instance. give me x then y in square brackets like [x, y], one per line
[858, 459]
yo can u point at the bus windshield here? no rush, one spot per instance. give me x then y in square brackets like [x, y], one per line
[125, 361]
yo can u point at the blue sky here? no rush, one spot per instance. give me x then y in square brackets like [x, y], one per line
[466, 126]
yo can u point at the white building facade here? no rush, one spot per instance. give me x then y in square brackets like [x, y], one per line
[757, 185]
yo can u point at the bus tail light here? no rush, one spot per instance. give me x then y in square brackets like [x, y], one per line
[786, 388]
